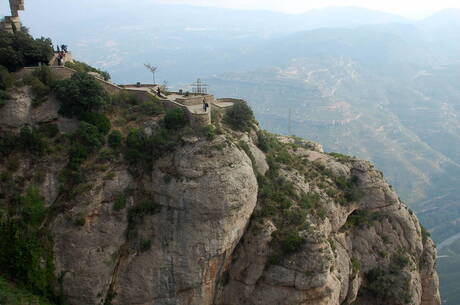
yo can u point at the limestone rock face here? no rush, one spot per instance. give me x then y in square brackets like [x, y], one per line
[331, 267]
[19, 111]
[206, 196]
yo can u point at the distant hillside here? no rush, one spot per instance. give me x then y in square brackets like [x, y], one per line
[446, 18]
[182, 39]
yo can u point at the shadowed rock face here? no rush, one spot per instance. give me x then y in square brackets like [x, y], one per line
[203, 215]
[322, 272]
[205, 243]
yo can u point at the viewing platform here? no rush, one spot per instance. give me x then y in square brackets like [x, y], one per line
[192, 103]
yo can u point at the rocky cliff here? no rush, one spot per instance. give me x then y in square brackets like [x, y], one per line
[203, 217]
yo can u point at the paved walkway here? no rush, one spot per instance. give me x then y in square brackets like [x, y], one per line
[223, 104]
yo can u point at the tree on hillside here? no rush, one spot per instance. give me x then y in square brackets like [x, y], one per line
[239, 117]
[21, 49]
[80, 94]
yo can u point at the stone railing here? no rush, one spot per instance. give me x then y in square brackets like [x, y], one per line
[139, 85]
[230, 100]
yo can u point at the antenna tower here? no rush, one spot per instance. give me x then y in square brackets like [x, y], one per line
[199, 87]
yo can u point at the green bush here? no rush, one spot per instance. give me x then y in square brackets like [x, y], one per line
[39, 90]
[292, 242]
[309, 201]
[175, 119]
[6, 80]
[389, 287]
[239, 117]
[145, 245]
[151, 108]
[137, 213]
[115, 139]
[99, 120]
[125, 98]
[162, 142]
[209, 132]
[4, 96]
[46, 76]
[355, 265]
[11, 294]
[25, 250]
[77, 155]
[49, 130]
[362, 218]
[89, 135]
[8, 142]
[31, 140]
[20, 49]
[120, 203]
[80, 94]
[137, 146]
[85, 68]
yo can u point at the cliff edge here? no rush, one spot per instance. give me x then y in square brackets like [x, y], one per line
[126, 204]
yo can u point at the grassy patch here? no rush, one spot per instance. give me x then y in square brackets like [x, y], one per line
[12, 294]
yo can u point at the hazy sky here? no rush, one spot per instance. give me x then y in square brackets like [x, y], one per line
[408, 8]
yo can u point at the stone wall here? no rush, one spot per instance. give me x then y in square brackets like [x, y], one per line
[143, 96]
[230, 100]
[140, 85]
[195, 100]
[196, 119]
[200, 119]
[109, 87]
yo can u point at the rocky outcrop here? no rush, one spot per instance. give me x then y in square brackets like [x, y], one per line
[20, 111]
[331, 266]
[197, 227]
[206, 193]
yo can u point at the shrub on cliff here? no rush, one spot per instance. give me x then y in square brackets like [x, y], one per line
[20, 49]
[85, 68]
[239, 117]
[99, 120]
[115, 139]
[4, 96]
[391, 286]
[175, 118]
[137, 147]
[46, 76]
[90, 136]
[6, 81]
[79, 94]
[25, 250]
[31, 140]
[39, 90]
